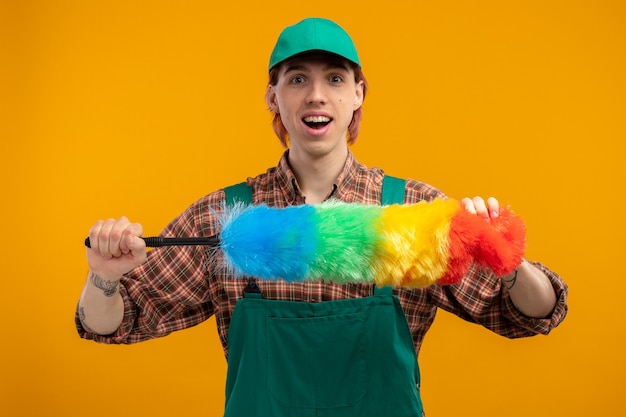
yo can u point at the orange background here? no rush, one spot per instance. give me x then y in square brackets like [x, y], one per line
[139, 108]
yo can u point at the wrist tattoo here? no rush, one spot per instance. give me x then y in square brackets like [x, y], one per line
[109, 288]
[511, 281]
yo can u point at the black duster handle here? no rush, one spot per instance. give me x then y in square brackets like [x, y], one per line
[157, 241]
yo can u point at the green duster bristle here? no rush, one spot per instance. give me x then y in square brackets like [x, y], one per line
[348, 240]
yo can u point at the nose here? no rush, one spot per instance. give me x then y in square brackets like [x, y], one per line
[317, 92]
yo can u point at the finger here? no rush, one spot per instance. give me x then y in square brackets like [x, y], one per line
[133, 229]
[481, 208]
[103, 238]
[136, 245]
[94, 236]
[468, 205]
[494, 207]
[116, 235]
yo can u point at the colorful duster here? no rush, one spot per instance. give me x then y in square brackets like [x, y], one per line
[413, 245]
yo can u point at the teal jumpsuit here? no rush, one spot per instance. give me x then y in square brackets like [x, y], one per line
[340, 358]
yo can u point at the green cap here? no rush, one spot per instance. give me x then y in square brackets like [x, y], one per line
[313, 34]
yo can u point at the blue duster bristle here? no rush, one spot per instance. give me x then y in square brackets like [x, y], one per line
[272, 243]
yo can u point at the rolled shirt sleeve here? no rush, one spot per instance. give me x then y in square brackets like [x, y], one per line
[539, 325]
[482, 298]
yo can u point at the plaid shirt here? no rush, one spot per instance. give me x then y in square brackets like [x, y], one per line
[180, 287]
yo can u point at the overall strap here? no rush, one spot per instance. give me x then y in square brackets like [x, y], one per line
[392, 193]
[238, 192]
[385, 290]
[241, 193]
[393, 190]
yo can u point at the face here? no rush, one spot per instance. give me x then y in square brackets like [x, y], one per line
[316, 97]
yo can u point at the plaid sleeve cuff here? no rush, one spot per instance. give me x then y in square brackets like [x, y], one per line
[540, 325]
[122, 335]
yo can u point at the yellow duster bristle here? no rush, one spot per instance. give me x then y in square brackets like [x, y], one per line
[414, 250]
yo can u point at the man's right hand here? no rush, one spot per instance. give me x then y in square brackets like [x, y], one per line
[115, 247]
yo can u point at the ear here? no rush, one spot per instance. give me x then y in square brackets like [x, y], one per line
[358, 95]
[270, 99]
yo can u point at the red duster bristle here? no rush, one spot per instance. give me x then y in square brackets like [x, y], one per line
[502, 245]
[499, 247]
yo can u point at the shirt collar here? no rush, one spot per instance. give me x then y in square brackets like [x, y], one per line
[286, 179]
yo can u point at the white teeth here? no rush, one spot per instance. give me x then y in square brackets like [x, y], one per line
[317, 119]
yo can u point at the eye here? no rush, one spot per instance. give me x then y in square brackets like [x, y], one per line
[336, 79]
[298, 79]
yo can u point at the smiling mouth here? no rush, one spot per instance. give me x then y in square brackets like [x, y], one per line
[316, 122]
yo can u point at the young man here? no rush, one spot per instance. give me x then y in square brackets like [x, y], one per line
[298, 348]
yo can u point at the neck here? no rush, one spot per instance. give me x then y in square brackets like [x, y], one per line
[316, 175]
